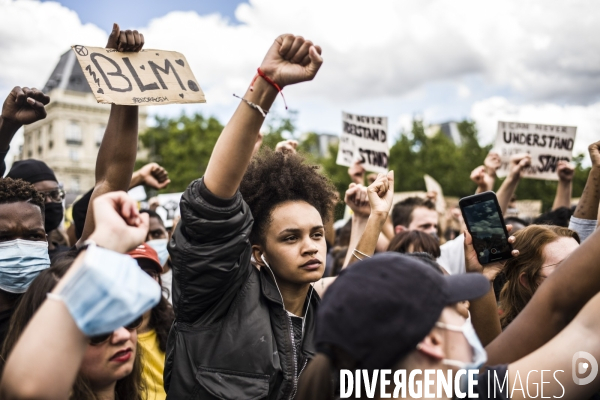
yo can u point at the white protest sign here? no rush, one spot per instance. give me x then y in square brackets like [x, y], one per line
[168, 207]
[547, 145]
[365, 139]
[433, 186]
[146, 77]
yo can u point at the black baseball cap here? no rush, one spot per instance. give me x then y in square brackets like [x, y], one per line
[31, 171]
[379, 309]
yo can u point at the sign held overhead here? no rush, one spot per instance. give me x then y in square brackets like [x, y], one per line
[364, 139]
[547, 145]
[148, 77]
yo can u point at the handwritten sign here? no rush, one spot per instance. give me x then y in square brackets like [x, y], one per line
[365, 139]
[168, 207]
[547, 145]
[144, 78]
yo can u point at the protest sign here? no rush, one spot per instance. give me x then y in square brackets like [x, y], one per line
[364, 139]
[547, 145]
[168, 207]
[139, 78]
[433, 186]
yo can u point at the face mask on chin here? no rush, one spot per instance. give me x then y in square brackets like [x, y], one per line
[54, 214]
[479, 354]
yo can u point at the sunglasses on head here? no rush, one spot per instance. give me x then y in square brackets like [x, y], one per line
[99, 339]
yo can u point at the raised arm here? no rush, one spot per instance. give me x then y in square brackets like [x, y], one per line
[117, 153]
[587, 208]
[371, 207]
[518, 163]
[291, 59]
[558, 358]
[46, 359]
[565, 172]
[554, 304]
[583, 220]
[380, 194]
[23, 106]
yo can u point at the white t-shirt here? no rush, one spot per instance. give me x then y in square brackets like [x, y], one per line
[453, 255]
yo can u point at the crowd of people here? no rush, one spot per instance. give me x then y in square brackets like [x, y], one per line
[254, 293]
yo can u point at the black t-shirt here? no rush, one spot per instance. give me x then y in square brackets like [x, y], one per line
[4, 323]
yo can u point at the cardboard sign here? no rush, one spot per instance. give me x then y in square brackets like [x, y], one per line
[365, 139]
[547, 145]
[433, 186]
[144, 78]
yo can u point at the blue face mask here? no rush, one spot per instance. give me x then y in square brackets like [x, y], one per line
[20, 263]
[108, 291]
[160, 246]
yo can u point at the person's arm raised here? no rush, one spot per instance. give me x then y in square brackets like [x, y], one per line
[587, 208]
[23, 106]
[50, 351]
[291, 59]
[565, 172]
[518, 163]
[117, 153]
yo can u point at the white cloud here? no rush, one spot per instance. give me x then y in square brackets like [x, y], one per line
[379, 56]
[488, 112]
[33, 35]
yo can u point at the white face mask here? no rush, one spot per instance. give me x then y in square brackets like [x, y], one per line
[160, 246]
[20, 263]
[479, 353]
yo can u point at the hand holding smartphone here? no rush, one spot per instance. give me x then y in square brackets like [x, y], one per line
[485, 223]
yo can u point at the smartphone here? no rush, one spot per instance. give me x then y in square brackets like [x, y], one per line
[485, 223]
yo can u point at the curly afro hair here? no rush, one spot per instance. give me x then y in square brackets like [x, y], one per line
[15, 190]
[273, 178]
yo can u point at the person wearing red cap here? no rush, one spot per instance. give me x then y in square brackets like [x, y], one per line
[153, 333]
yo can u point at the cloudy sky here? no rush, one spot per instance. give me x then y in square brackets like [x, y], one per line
[529, 61]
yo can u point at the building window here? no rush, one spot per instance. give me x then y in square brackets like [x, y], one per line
[73, 133]
[50, 144]
[40, 150]
[73, 155]
[100, 134]
[29, 154]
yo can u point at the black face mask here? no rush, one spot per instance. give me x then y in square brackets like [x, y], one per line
[54, 216]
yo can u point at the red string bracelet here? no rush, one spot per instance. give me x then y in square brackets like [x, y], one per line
[270, 81]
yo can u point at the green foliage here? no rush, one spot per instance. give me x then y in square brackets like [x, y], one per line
[183, 146]
[416, 154]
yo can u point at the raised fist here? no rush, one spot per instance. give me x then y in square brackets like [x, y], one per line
[518, 163]
[381, 193]
[357, 199]
[24, 106]
[128, 41]
[287, 147]
[291, 59]
[154, 175]
[594, 150]
[565, 171]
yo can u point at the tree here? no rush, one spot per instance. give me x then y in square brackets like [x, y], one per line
[183, 146]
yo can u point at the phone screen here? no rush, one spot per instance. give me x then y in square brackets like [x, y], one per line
[489, 237]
